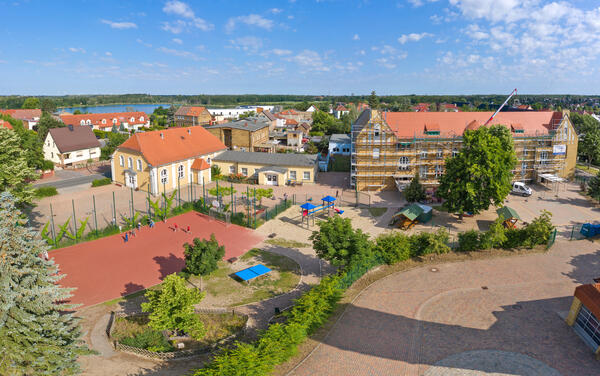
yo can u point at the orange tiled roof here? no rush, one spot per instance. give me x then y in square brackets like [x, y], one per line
[291, 122]
[23, 114]
[589, 295]
[5, 124]
[140, 118]
[413, 124]
[200, 164]
[341, 108]
[190, 111]
[176, 144]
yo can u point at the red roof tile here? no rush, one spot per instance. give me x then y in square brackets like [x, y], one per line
[412, 124]
[23, 114]
[341, 108]
[174, 144]
[291, 122]
[190, 111]
[5, 124]
[140, 118]
[200, 164]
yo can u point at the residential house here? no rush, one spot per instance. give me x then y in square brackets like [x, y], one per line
[269, 168]
[448, 107]
[71, 146]
[160, 161]
[29, 117]
[5, 124]
[339, 111]
[390, 148]
[304, 127]
[312, 108]
[295, 115]
[123, 121]
[220, 114]
[421, 107]
[273, 120]
[245, 135]
[189, 116]
[340, 144]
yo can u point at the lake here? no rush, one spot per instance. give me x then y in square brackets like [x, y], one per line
[147, 108]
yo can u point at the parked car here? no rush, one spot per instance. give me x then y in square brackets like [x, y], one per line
[519, 188]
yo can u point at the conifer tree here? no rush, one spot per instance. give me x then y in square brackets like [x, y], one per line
[415, 191]
[37, 334]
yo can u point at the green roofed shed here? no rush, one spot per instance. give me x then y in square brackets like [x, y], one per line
[411, 212]
[508, 213]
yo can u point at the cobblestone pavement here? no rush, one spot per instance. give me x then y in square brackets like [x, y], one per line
[409, 321]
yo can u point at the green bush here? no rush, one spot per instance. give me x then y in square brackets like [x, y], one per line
[47, 165]
[495, 236]
[430, 242]
[45, 192]
[468, 241]
[101, 182]
[539, 230]
[394, 247]
[514, 238]
[149, 339]
[202, 256]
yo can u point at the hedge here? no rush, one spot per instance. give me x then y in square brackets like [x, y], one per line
[101, 182]
[45, 192]
[396, 247]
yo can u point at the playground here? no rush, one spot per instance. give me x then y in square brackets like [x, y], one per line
[326, 208]
[108, 268]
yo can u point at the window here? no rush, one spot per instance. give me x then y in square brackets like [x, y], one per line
[141, 118]
[208, 160]
[88, 122]
[439, 170]
[544, 157]
[292, 175]
[403, 163]
[132, 120]
[306, 175]
[139, 165]
[440, 154]
[423, 171]
[115, 121]
[121, 161]
[424, 154]
[454, 152]
[103, 121]
[163, 176]
[244, 171]
[232, 169]
[129, 162]
[82, 122]
[376, 153]
[180, 173]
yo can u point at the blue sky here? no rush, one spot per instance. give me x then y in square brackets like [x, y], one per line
[300, 47]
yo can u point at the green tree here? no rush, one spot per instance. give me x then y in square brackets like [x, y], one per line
[373, 100]
[30, 143]
[337, 242]
[594, 187]
[589, 143]
[322, 121]
[77, 112]
[247, 114]
[38, 335]
[114, 141]
[302, 106]
[172, 307]
[46, 123]
[202, 256]
[31, 103]
[415, 190]
[48, 105]
[215, 171]
[15, 173]
[263, 193]
[481, 173]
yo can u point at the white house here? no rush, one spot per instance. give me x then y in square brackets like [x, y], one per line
[312, 108]
[132, 120]
[29, 117]
[221, 114]
[71, 146]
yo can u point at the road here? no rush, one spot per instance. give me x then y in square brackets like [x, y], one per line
[70, 182]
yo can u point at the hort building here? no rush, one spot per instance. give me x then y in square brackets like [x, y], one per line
[585, 313]
[269, 168]
[389, 148]
[245, 135]
[160, 161]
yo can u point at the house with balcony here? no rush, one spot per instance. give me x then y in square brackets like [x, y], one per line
[122, 121]
[71, 146]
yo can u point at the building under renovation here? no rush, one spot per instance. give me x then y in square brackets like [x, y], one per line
[389, 148]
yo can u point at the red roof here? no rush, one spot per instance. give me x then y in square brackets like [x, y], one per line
[190, 111]
[288, 112]
[589, 295]
[174, 144]
[341, 108]
[23, 114]
[421, 107]
[413, 124]
[291, 122]
[5, 124]
[140, 118]
[200, 164]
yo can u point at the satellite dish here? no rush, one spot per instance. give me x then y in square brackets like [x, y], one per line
[215, 203]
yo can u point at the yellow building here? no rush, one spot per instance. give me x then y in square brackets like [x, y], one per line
[161, 161]
[245, 135]
[584, 315]
[269, 168]
[189, 116]
[390, 148]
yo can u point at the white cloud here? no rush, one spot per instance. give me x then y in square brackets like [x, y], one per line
[494, 10]
[355, 37]
[418, 3]
[386, 63]
[250, 20]
[177, 40]
[248, 43]
[281, 52]
[310, 61]
[183, 10]
[476, 33]
[180, 53]
[275, 10]
[143, 43]
[150, 65]
[413, 37]
[107, 53]
[77, 49]
[119, 25]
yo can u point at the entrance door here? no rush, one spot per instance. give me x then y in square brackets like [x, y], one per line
[131, 180]
[227, 137]
[272, 179]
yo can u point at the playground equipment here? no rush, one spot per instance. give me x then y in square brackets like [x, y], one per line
[510, 216]
[309, 210]
[411, 215]
[589, 230]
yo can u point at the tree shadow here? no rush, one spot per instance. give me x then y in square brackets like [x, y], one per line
[586, 267]
[169, 265]
[131, 301]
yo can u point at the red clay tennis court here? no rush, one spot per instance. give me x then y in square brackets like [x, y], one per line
[107, 268]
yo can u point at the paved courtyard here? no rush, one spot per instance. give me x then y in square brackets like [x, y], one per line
[410, 321]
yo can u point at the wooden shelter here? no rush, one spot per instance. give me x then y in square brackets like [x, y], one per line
[510, 216]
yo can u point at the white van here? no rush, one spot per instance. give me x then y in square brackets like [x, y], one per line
[520, 188]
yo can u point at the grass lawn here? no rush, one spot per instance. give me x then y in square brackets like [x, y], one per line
[377, 212]
[134, 331]
[339, 163]
[286, 243]
[584, 167]
[45, 192]
[223, 290]
[439, 208]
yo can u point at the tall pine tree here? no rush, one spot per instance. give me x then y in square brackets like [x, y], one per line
[37, 334]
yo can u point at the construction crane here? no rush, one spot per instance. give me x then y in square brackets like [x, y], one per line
[514, 92]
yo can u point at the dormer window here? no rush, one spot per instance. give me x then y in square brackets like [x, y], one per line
[132, 120]
[103, 121]
[432, 129]
[88, 122]
[82, 122]
[115, 121]
[141, 118]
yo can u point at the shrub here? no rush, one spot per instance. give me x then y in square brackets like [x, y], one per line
[538, 231]
[223, 191]
[469, 241]
[430, 242]
[101, 182]
[495, 236]
[337, 242]
[47, 165]
[202, 256]
[148, 339]
[514, 238]
[415, 191]
[215, 171]
[393, 248]
[45, 192]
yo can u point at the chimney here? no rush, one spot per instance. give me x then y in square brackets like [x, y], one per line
[162, 136]
[71, 127]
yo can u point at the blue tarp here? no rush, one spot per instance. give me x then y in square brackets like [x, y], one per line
[328, 199]
[307, 206]
[252, 272]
